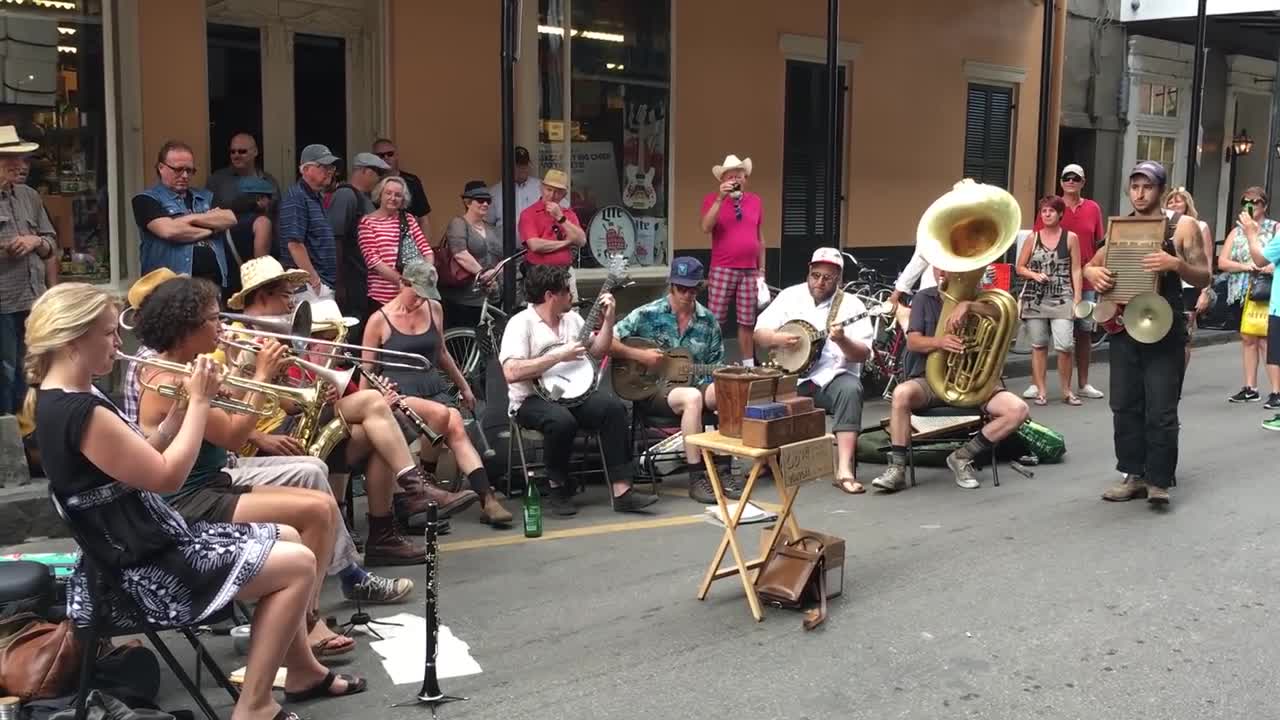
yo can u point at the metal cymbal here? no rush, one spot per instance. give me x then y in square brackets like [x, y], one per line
[1084, 309]
[1148, 317]
[1104, 310]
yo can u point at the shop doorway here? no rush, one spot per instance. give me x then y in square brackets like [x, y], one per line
[804, 166]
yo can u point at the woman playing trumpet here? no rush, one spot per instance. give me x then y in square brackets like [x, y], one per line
[413, 322]
[110, 478]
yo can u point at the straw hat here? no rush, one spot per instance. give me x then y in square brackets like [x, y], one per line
[11, 144]
[147, 283]
[731, 162]
[263, 271]
[556, 179]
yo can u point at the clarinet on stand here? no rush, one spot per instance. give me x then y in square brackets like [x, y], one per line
[430, 694]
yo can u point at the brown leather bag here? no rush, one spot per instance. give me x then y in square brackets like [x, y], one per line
[794, 575]
[41, 661]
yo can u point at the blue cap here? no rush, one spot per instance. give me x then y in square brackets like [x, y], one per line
[1151, 170]
[687, 272]
[254, 185]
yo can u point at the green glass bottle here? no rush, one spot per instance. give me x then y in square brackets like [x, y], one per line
[532, 510]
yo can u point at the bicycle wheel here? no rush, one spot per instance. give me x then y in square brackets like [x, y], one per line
[464, 346]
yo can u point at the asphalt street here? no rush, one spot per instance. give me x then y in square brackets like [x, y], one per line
[1034, 599]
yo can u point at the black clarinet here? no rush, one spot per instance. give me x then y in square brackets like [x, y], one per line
[384, 387]
[430, 684]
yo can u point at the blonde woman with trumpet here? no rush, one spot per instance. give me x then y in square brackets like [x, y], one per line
[111, 478]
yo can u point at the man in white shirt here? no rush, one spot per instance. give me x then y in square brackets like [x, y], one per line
[835, 379]
[528, 191]
[548, 320]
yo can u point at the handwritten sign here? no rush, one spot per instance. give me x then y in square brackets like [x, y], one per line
[806, 461]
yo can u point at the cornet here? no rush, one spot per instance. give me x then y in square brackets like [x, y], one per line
[272, 394]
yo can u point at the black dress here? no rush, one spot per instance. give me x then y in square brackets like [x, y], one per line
[178, 574]
[429, 384]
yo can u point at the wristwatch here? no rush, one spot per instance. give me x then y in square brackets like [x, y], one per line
[561, 220]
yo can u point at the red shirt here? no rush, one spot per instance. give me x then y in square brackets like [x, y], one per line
[735, 242]
[1086, 222]
[536, 222]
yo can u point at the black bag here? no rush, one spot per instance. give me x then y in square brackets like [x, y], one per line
[1260, 287]
[26, 587]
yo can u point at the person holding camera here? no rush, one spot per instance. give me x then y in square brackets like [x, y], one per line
[734, 220]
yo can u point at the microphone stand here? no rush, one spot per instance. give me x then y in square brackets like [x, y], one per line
[430, 693]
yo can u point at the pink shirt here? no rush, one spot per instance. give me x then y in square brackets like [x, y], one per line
[736, 243]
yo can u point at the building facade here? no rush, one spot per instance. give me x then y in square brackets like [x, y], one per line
[643, 98]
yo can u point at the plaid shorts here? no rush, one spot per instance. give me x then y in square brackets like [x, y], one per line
[725, 284]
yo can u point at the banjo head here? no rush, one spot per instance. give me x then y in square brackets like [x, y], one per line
[798, 357]
[569, 380]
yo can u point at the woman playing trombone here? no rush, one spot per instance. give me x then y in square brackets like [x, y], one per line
[412, 322]
[110, 479]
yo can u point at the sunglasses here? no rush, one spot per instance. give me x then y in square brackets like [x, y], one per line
[386, 154]
[684, 290]
[180, 170]
[823, 277]
[239, 151]
[1071, 177]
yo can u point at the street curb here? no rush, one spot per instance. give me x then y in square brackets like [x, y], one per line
[1019, 366]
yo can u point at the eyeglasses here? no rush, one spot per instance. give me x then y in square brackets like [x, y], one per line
[1251, 201]
[1071, 177]
[180, 170]
[737, 209]
[239, 151]
[823, 277]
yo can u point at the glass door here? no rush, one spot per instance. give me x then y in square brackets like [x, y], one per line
[235, 89]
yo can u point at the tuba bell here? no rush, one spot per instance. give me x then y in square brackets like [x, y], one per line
[962, 233]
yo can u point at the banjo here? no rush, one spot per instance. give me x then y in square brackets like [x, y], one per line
[571, 382]
[801, 357]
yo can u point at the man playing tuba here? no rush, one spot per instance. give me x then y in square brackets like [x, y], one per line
[1006, 409]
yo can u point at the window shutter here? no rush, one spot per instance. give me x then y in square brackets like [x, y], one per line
[804, 167]
[988, 134]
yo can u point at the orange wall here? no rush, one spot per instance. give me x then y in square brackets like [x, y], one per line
[445, 100]
[173, 66]
[905, 133]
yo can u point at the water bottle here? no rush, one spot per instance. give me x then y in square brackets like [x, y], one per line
[532, 510]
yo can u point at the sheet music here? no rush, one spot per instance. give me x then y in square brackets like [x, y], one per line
[922, 425]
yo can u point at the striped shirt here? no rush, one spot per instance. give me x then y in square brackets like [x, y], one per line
[380, 242]
[302, 219]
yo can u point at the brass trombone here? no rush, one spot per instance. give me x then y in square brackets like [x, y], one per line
[337, 378]
[272, 394]
[296, 330]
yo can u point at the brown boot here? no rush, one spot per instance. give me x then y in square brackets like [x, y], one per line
[1130, 488]
[419, 494]
[386, 546]
[492, 512]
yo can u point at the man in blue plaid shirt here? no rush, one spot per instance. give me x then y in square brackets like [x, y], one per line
[678, 320]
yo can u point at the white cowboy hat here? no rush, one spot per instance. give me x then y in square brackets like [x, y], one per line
[731, 162]
[263, 271]
[11, 144]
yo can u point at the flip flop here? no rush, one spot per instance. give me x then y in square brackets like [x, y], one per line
[1040, 400]
[355, 685]
[1072, 400]
[325, 648]
[843, 484]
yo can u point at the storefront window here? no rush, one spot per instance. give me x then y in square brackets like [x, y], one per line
[618, 126]
[54, 93]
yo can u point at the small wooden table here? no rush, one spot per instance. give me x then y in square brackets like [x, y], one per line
[713, 443]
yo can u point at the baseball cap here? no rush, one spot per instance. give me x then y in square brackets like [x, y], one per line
[422, 277]
[1072, 168]
[369, 160]
[828, 255]
[522, 155]
[687, 272]
[1151, 170]
[317, 154]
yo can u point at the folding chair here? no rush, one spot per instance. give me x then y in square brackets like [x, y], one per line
[101, 628]
[969, 433]
[649, 430]
[518, 435]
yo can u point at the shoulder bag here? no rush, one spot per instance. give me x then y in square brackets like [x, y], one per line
[450, 271]
[794, 576]
[41, 661]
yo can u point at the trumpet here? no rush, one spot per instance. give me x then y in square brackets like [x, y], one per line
[272, 394]
[296, 330]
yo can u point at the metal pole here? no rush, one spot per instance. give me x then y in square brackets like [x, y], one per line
[1046, 86]
[1273, 141]
[509, 214]
[1197, 89]
[833, 118]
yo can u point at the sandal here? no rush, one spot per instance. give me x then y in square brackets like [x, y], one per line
[844, 483]
[325, 648]
[1071, 399]
[286, 715]
[355, 685]
[1040, 400]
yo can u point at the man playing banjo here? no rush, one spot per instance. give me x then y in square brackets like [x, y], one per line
[549, 320]
[834, 376]
[678, 320]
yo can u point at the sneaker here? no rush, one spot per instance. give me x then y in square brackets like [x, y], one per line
[962, 466]
[1157, 495]
[562, 503]
[732, 483]
[376, 590]
[1247, 395]
[1273, 402]
[1031, 392]
[1130, 488]
[1272, 424]
[700, 488]
[893, 479]
[632, 501]
[1091, 392]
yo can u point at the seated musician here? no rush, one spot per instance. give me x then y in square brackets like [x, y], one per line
[678, 320]
[413, 322]
[1006, 409]
[179, 320]
[834, 380]
[548, 320]
[376, 433]
[109, 479]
